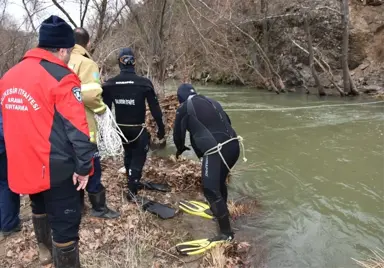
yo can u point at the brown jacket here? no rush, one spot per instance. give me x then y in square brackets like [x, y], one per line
[82, 64]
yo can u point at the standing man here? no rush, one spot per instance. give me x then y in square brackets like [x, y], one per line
[47, 141]
[88, 71]
[129, 92]
[9, 201]
[213, 139]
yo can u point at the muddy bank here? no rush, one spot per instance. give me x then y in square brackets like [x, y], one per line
[140, 239]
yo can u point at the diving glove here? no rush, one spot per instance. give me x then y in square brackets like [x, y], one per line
[200, 246]
[179, 152]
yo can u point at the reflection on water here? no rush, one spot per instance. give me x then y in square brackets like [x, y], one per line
[318, 174]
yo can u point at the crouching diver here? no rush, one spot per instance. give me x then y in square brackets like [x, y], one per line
[215, 141]
[128, 92]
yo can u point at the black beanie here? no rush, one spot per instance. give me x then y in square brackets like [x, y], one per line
[56, 33]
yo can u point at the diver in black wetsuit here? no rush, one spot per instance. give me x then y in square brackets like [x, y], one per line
[208, 125]
[128, 92]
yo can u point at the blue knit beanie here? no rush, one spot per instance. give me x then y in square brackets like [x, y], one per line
[56, 33]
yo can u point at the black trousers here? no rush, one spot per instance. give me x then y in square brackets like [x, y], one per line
[135, 154]
[214, 174]
[63, 208]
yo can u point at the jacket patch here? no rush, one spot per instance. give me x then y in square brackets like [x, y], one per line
[77, 93]
[96, 76]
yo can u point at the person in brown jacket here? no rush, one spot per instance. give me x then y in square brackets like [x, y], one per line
[88, 71]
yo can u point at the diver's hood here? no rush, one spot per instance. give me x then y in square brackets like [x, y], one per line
[184, 91]
[127, 60]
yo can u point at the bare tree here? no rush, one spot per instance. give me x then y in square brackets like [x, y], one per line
[348, 82]
[153, 38]
[311, 57]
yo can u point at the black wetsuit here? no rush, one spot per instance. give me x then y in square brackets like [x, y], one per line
[128, 92]
[209, 125]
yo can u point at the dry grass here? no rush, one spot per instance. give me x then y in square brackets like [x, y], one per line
[137, 238]
[227, 255]
[237, 209]
[376, 261]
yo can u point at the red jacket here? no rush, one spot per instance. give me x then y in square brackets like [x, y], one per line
[45, 129]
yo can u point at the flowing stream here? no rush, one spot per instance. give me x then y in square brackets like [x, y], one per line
[318, 174]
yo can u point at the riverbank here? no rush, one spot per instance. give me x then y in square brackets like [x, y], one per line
[137, 238]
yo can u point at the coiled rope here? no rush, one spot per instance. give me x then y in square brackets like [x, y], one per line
[109, 142]
[135, 125]
[302, 107]
[218, 147]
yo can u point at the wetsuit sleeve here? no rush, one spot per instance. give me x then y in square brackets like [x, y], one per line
[69, 106]
[154, 107]
[180, 127]
[106, 95]
[91, 90]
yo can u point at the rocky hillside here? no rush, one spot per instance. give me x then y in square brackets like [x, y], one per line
[287, 45]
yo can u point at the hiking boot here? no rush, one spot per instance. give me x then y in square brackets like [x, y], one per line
[43, 237]
[99, 207]
[66, 255]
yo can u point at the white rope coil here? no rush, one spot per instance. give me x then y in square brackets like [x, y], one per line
[218, 147]
[109, 135]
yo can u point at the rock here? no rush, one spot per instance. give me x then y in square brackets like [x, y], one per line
[372, 89]
[364, 66]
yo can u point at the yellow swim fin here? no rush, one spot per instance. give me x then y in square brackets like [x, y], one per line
[196, 208]
[200, 246]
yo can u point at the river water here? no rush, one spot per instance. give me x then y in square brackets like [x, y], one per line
[318, 174]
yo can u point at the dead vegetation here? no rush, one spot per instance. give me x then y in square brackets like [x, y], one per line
[137, 238]
[375, 261]
[168, 105]
[184, 175]
[249, 43]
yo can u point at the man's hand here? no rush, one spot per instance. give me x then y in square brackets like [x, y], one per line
[83, 181]
[178, 153]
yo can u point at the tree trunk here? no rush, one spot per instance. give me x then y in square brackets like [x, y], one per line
[311, 57]
[348, 83]
[264, 11]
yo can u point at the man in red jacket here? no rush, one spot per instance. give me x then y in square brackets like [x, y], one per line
[47, 141]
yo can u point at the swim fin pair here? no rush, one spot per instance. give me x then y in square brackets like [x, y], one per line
[158, 209]
[161, 187]
[196, 208]
[200, 246]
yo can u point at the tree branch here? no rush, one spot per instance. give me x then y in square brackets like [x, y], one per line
[64, 12]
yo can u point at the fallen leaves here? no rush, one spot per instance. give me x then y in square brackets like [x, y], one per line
[168, 106]
[136, 239]
[182, 175]
[228, 255]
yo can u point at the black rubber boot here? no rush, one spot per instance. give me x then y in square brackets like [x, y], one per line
[225, 227]
[66, 255]
[99, 207]
[220, 210]
[43, 236]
